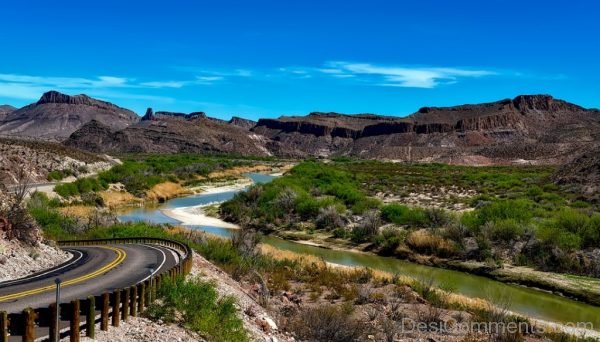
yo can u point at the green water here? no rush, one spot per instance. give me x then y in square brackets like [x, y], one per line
[527, 301]
[531, 302]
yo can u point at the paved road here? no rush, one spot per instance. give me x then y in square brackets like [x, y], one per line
[92, 271]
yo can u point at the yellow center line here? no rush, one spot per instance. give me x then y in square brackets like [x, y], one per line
[121, 255]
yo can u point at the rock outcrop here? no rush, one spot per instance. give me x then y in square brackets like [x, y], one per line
[528, 128]
[57, 115]
[241, 122]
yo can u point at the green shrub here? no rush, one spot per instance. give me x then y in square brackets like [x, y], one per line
[389, 239]
[200, 308]
[403, 215]
[590, 233]
[554, 236]
[570, 220]
[504, 230]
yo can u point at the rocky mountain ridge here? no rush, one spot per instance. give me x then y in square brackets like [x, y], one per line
[57, 115]
[536, 129]
[528, 128]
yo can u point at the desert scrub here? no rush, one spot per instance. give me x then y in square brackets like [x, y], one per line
[196, 304]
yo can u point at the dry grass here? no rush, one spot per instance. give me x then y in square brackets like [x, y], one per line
[114, 199]
[164, 191]
[79, 211]
[238, 170]
[452, 299]
[424, 241]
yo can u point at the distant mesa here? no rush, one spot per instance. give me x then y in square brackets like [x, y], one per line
[150, 115]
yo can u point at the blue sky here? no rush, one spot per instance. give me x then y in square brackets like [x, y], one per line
[270, 58]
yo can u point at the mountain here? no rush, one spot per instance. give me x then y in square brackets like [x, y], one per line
[5, 110]
[166, 132]
[57, 115]
[528, 128]
[534, 129]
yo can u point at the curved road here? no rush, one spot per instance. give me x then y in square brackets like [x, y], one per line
[92, 271]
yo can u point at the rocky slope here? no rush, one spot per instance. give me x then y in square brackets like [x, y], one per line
[57, 115]
[528, 128]
[5, 110]
[38, 158]
[582, 173]
[165, 132]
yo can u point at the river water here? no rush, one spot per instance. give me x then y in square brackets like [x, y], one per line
[527, 301]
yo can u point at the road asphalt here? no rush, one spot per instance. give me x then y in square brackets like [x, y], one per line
[92, 271]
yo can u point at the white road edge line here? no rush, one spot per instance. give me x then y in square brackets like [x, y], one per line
[161, 264]
[49, 271]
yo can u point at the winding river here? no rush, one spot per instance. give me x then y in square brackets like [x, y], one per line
[534, 303]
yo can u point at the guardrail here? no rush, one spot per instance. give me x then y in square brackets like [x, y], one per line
[118, 305]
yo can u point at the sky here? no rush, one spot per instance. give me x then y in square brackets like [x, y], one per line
[264, 58]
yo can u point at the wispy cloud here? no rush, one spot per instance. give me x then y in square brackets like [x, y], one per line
[401, 76]
[29, 87]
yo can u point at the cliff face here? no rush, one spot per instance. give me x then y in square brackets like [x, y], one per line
[528, 127]
[241, 122]
[57, 115]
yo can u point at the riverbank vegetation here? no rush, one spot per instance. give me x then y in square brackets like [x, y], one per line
[148, 176]
[491, 215]
[311, 299]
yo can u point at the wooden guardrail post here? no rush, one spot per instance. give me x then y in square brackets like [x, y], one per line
[116, 316]
[74, 329]
[3, 326]
[90, 318]
[104, 312]
[126, 304]
[142, 297]
[54, 319]
[134, 300]
[158, 281]
[29, 319]
[148, 283]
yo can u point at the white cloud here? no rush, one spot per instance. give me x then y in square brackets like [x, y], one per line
[30, 87]
[164, 84]
[398, 76]
[209, 78]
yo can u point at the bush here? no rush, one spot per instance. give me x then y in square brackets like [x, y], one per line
[504, 230]
[519, 210]
[389, 239]
[326, 323]
[590, 233]
[403, 215]
[553, 236]
[200, 308]
[437, 217]
[80, 186]
[329, 218]
[570, 220]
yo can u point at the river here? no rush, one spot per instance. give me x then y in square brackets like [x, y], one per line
[530, 302]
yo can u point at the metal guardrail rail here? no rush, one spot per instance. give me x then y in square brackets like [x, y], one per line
[118, 305]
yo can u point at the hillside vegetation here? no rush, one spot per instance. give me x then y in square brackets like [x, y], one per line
[139, 173]
[490, 214]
